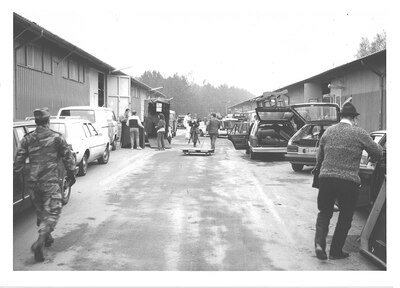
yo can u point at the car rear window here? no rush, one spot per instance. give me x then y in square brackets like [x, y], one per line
[228, 124]
[318, 113]
[75, 131]
[275, 116]
[58, 127]
[84, 114]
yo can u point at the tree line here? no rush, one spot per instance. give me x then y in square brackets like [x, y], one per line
[196, 99]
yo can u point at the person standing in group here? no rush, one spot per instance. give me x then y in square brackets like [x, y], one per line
[338, 161]
[134, 124]
[186, 121]
[212, 127]
[44, 148]
[160, 131]
[194, 131]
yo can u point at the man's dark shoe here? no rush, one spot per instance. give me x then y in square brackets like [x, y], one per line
[341, 255]
[321, 254]
[49, 241]
[37, 248]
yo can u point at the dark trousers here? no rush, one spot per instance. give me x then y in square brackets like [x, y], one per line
[160, 140]
[346, 192]
[213, 138]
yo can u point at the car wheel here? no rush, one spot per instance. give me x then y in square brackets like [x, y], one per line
[65, 191]
[114, 145]
[104, 158]
[297, 167]
[252, 155]
[83, 166]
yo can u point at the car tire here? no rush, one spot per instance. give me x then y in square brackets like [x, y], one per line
[297, 167]
[83, 165]
[252, 155]
[65, 191]
[114, 145]
[105, 157]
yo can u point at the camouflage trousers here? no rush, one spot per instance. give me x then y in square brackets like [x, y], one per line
[46, 197]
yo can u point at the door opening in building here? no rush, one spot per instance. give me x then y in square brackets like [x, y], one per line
[101, 99]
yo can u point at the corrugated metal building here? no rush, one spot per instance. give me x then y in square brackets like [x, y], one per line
[364, 80]
[51, 72]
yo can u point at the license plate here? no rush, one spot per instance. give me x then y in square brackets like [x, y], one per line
[312, 150]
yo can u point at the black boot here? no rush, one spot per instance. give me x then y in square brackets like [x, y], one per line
[37, 247]
[49, 241]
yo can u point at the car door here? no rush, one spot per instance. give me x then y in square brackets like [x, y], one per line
[98, 142]
[239, 135]
[20, 191]
[372, 175]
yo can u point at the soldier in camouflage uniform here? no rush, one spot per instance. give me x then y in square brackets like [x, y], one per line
[44, 148]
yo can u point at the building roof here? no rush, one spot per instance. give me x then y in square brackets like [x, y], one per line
[328, 74]
[44, 33]
[58, 41]
[369, 58]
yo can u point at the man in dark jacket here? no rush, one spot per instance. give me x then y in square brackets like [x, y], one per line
[212, 127]
[44, 148]
[338, 161]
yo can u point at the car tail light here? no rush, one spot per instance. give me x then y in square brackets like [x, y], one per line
[292, 148]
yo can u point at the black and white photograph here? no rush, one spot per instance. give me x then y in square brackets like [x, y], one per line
[193, 143]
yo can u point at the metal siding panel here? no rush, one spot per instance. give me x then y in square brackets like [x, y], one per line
[36, 89]
[368, 105]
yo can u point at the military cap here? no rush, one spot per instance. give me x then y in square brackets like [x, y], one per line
[41, 113]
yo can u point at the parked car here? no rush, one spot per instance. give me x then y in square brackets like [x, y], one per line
[203, 129]
[372, 174]
[87, 144]
[302, 147]
[269, 133]
[180, 121]
[103, 119]
[21, 197]
[226, 126]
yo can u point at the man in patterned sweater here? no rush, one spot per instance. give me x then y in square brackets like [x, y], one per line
[338, 160]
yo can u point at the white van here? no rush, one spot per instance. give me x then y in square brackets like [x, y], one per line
[102, 118]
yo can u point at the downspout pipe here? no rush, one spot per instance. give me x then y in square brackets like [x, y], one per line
[381, 77]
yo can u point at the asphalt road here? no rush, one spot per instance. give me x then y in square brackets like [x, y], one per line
[163, 211]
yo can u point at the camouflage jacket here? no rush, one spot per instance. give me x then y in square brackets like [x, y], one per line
[44, 148]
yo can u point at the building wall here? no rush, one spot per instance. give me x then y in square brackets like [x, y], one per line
[296, 93]
[93, 86]
[34, 89]
[136, 101]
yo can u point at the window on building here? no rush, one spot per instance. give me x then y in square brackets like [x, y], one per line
[35, 57]
[47, 61]
[73, 70]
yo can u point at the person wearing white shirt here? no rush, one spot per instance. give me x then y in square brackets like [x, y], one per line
[186, 122]
[134, 124]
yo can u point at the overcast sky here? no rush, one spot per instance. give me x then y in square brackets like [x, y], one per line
[256, 45]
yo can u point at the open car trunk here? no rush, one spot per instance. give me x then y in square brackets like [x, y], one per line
[275, 135]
